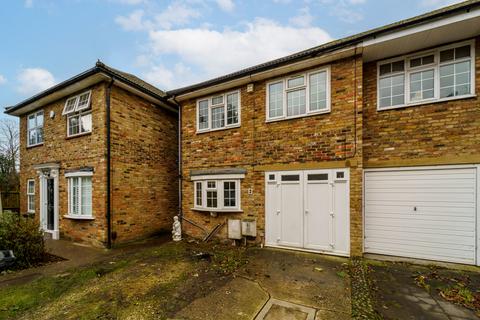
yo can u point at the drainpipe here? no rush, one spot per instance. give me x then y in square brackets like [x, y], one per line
[180, 176]
[109, 161]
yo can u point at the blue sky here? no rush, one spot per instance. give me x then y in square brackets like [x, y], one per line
[171, 43]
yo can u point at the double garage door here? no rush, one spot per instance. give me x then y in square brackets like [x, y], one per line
[422, 213]
[308, 210]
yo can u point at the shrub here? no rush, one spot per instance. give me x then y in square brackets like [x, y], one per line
[23, 237]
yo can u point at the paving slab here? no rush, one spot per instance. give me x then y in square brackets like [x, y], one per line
[277, 309]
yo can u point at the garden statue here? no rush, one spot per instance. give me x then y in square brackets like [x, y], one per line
[176, 230]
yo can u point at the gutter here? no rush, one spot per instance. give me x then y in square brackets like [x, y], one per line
[109, 161]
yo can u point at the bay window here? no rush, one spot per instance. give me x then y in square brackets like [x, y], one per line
[212, 194]
[436, 75]
[299, 95]
[218, 112]
[35, 128]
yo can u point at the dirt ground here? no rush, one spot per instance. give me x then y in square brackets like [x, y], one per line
[187, 281]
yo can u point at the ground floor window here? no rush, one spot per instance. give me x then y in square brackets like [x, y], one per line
[217, 194]
[31, 196]
[80, 196]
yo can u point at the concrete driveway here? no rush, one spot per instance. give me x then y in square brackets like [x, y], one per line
[279, 284]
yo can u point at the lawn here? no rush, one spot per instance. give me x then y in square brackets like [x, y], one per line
[154, 283]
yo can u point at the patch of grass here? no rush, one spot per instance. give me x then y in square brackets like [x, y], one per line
[16, 300]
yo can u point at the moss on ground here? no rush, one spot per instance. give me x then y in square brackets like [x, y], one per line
[363, 303]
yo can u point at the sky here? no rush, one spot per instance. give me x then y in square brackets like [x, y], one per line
[171, 43]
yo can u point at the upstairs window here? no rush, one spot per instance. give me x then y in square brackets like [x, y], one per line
[35, 129]
[218, 112]
[441, 74]
[79, 114]
[299, 95]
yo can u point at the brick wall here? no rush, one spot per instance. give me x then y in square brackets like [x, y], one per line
[319, 141]
[437, 133]
[144, 166]
[70, 153]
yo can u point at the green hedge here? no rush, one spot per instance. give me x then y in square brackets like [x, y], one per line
[23, 237]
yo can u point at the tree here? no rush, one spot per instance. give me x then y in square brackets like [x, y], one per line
[9, 155]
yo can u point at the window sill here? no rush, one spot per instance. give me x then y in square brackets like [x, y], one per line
[35, 145]
[78, 135]
[217, 210]
[73, 217]
[299, 116]
[421, 103]
[218, 129]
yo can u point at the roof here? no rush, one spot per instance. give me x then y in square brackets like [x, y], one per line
[99, 67]
[330, 46]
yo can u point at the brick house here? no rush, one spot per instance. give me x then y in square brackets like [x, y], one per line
[98, 158]
[368, 144]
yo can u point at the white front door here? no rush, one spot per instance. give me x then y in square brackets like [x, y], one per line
[49, 220]
[308, 210]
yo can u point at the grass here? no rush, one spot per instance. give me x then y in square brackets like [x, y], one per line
[153, 283]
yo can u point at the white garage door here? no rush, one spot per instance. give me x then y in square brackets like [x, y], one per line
[308, 210]
[422, 213]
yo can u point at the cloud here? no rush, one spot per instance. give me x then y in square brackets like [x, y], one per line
[212, 52]
[226, 5]
[175, 14]
[28, 4]
[438, 3]
[346, 10]
[34, 80]
[3, 80]
[303, 19]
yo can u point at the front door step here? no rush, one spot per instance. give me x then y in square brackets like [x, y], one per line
[278, 309]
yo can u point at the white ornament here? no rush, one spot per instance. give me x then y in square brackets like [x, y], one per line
[176, 229]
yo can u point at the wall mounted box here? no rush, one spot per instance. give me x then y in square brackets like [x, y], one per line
[249, 227]
[234, 229]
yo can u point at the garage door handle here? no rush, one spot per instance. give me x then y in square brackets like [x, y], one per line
[306, 211]
[278, 212]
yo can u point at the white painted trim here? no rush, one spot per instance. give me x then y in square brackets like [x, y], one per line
[306, 86]
[77, 99]
[473, 13]
[79, 174]
[53, 174]
[210, 106]
[436, 70]
[78, 217]
[232, 176]
[219, 189]
[79, 114]
[330, 253]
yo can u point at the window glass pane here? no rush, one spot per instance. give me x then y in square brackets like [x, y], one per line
[462, 52]
[296, 102]
[385, 69]
[421, 85]
[318, 177]
[415, 62]
[217, 100]
[398, 100]
[86, 196]
[455, 79]
[232, 108]
[198, 194]
[447, 55]
[275, 100]
[32, 137]
[229, 194]
[86, 122]
[203, 114]
[74, 185]
[291, 177]
[211, 199]
[398, 66]
[69, 105]
[31, 202]
[318, 91]
[31, 121]
[83, 101]
[39, 135]
[392, 90]
[385, 102]
[218, 117]
[40, 119]
[428, 59]
[73, 125]
[211, 184]
[295, 82]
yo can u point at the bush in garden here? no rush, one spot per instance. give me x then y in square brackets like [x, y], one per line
[23, 237]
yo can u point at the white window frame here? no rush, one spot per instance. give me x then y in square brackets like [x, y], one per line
[30, 194]
[79, 114]
[77, 108]
[37, 127]
[210, 106]
[305, 86]
[78, 175]
[219, 188]
[436, 67]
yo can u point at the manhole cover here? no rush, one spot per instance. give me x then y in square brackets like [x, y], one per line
[278, 309]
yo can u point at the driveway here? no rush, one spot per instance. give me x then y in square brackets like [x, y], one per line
[187, 281]
[406, 291]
